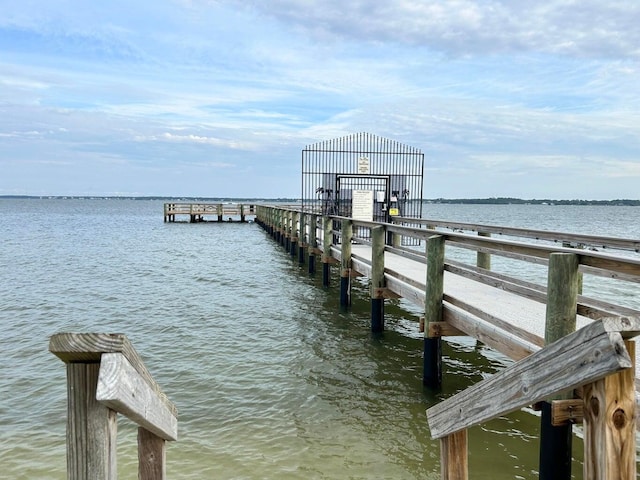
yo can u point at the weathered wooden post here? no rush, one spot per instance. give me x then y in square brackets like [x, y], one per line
[610, 425]
[562, 296]
[313, 242]
[242, 216]
[454, 462]
[152, 456]
[92, 428]
[432, 373]
[302, 236]
[327, 227]
[293, 248]
[377, 278]
[219, 211]
[483, 259]
[345, 262]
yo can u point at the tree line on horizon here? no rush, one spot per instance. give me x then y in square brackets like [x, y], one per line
[462, 201]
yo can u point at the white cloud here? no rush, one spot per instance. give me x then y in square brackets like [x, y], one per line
[590, 28]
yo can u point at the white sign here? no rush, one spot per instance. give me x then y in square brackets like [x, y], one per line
[362, 205]
[364, 166]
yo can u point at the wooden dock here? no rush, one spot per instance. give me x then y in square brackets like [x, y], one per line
[209, 212]
[512, 315]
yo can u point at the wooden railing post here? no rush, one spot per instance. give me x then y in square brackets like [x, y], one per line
[562, 295]
[152, 457]
[92, 428]
[610, 425]
[454, 463]
[432, 372]
[377, 278]
[345, 262]
[483, 259]
[327, 227]
[293, 248]
[302, 237]
[105, 376]
[313, 242]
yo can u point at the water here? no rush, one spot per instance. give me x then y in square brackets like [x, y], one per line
[271, 378]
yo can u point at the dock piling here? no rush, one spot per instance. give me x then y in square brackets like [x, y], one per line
[562, 294]
[377, 278]
[327, 227]
[345, 263]
[432, 374]
[313, 242]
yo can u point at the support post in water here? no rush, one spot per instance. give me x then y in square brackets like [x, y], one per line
[483, 259]
[346, 235]
[377, 278]
[302, 235]
[562, 295]
[313, 242]
[432, 373]
[327, 228]
[293, 249]
[287, 231]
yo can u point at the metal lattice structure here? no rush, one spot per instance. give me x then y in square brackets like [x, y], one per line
[363, 176]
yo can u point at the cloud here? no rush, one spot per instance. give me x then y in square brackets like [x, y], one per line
[198, 139]
[586, 29]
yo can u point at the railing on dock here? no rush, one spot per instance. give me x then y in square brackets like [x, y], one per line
[597, 362]
[105, 376]
[202, 212]
[515, 316]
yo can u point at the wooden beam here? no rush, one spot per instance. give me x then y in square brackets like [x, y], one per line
[564, 412]
[122, 389]
[591, 353]
[384, 292]
[444, 329]
[89, 347]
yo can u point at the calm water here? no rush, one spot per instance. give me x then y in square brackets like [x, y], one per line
[271, 378]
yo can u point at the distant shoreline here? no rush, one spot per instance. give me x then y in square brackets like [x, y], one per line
[456, 201]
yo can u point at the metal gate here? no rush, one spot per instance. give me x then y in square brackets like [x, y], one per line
[363, 176]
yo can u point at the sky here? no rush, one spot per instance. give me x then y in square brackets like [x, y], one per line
[505, 98]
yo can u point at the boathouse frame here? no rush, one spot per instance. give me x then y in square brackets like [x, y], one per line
[364, 176]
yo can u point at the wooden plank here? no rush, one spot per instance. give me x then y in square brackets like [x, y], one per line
[89, 347]
[585, 356]
[454, 464]
[497, 338]
[121, 388]
[152, 456]
[442, 329]
[508, 327]
[610, 426]
[558, 237]
[565, 412]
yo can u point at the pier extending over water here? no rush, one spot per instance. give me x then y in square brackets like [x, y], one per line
[594, 383]
[209, 212]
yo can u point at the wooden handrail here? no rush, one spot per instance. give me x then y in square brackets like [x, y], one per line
[598, 357]
[595, 241]
[587, 355]
[106, 376]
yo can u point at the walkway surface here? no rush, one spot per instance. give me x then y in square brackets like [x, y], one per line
[407, 277]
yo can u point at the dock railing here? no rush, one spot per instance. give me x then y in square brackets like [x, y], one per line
[515, 314]
[106, 377]
[595, 364]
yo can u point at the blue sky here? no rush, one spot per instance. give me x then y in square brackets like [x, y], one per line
[218, 98]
